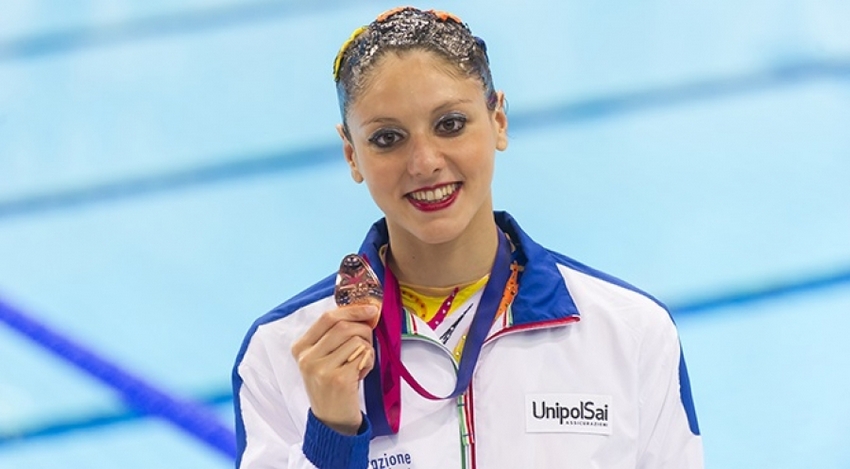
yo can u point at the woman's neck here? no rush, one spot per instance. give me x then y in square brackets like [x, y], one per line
[456, 262]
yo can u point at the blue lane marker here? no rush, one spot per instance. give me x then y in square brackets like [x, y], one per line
[684, 93]
[767, 292]
[95, 420]
[194, 21]
[237, 168]
[141, 396]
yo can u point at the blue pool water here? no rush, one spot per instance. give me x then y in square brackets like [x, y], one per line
[169, 171]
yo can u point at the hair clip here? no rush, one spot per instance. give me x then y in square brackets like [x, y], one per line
[481, 44]
[445, 16]
[383, 16]
[345, 45]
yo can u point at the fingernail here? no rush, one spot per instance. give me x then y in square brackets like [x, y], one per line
[356, 353]
[364, 361]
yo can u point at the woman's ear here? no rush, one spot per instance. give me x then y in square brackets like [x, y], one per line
[500, 119]
[350, 155]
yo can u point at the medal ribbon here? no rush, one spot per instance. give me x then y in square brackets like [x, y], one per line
[382, 386]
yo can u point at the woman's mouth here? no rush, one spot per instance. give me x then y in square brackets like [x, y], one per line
[435, 198]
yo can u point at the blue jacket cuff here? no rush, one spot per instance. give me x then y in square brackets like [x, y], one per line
[328, 449]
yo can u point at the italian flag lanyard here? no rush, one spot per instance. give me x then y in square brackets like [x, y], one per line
[382, 386]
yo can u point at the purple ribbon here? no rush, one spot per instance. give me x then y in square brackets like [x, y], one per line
[382, 386]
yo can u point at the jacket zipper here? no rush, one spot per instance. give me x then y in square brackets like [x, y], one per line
[533, 327]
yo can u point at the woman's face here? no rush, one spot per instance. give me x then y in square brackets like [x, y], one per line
[423, 140]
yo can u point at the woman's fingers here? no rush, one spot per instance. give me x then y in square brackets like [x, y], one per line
[343, 322]
[338, 338]
[324, 361]
[340, 334]
[334, 355]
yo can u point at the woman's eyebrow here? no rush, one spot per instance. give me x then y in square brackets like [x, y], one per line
[450, 104]
[381, 120]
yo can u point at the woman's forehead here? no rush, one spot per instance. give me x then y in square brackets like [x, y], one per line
[407, 64]
[405, 85]
[413, 73]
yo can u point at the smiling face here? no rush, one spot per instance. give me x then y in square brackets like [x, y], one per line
[422, 138]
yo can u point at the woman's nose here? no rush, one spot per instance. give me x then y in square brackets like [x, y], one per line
[425, 157]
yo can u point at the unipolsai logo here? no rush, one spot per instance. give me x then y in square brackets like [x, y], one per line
[568, 413]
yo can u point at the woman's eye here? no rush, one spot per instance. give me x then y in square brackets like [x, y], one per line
[451, 124]
[385, 139]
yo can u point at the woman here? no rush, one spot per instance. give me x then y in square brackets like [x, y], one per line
[510, 355]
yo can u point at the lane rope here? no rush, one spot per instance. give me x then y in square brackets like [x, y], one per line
[140, 395]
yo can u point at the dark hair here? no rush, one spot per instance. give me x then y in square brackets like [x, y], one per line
[409, 28]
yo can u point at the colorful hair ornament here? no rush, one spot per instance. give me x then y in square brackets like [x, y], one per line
[445, 16]
[383, 16]
[338, 60]
[439, 14]
[404, 28]
[482, 45]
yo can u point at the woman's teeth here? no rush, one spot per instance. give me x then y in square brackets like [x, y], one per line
[434, 195]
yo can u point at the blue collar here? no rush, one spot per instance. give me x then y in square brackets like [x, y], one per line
[542, 295]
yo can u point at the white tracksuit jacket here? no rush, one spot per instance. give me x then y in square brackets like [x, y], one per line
[584, 371]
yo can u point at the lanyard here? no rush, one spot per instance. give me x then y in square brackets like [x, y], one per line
[382, 386]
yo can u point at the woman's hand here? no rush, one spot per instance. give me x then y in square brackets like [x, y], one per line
[334, 355]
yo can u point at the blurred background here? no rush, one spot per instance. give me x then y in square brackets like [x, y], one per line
[169, 171]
